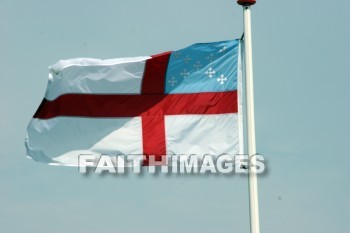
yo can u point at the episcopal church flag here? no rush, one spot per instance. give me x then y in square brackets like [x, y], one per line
[175, 103]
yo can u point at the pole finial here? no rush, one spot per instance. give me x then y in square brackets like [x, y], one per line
[246, 2]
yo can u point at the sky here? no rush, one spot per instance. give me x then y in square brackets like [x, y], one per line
[301, 75]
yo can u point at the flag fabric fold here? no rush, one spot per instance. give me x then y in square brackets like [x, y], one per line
[175, 103]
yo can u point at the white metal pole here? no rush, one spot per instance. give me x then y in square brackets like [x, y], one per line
[253, 184]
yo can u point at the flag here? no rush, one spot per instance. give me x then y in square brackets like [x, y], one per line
[175, 103]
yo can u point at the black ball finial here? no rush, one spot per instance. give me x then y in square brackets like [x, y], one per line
[246, 2]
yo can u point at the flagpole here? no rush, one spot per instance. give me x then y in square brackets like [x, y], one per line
[253, 184]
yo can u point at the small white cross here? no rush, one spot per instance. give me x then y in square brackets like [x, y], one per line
[172, 81]
[187, 59]
[222, 79]
[184, 73]
[210, 72]
[223, 49]
[198, 65]
[177, 54]
[211, 57]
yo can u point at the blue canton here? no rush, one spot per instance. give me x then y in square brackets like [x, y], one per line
[205, 67]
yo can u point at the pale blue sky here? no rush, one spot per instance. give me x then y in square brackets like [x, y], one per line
[302, 77]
